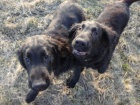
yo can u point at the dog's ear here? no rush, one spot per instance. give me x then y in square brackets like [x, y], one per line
[20, 57]
[109, 36]
[73, 29]
[106, 32]
[105, 37]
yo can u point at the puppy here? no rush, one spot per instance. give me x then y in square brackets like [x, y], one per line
[93, 42]
[44, 55]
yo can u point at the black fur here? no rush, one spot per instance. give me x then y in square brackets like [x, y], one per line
[93, 42]
[44, 55]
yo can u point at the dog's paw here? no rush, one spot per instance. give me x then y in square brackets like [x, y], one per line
[101, 71]
[70, 83]
[31, 96]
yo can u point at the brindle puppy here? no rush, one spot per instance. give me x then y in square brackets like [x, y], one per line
[93, 42]
[42, 55]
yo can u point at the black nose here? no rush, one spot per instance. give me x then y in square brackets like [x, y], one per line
[40, 86]
[81, 44]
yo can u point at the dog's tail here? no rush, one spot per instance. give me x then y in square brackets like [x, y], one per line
[129, 2]
[74, 1]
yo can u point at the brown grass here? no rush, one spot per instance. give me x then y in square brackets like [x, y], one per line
[120, 85]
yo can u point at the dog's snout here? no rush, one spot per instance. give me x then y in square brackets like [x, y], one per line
[80, 43]
[39, 80]
[40, 86]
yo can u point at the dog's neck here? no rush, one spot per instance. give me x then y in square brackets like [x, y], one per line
[63, 65]
[88, 60]
[61, 31]
[96, 57]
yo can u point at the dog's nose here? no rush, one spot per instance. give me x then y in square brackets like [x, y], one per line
[40, 86]
[79, 43]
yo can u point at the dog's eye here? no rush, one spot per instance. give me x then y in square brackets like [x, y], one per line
[45, 57]
[83, 26]
[94, 31]
[27, 60]
[80, 28]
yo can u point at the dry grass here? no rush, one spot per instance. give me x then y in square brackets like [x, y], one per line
[120, 85]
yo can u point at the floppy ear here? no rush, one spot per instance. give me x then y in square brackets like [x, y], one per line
[106, 34]
[105, 37]
[20, 57]
[73, 29]
[110, 36]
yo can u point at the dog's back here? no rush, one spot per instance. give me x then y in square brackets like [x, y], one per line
[68, 13]
[116, 15]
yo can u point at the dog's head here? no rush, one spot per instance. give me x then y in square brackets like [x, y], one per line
[38, 56]
[88, 38]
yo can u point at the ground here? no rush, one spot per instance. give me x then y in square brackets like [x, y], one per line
[120, 85]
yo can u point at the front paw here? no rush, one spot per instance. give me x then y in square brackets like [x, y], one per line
[101, 71]
[70, 83]
[31, 96]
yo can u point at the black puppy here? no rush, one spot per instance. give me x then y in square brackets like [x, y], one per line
[93, 42]
[42, 55]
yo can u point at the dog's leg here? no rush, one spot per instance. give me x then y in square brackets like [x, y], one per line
[104, 67]
[73, 79]
[31, 96]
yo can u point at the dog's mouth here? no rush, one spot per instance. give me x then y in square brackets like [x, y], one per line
[79, 53]
[42, 88]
